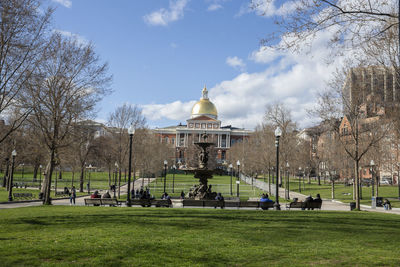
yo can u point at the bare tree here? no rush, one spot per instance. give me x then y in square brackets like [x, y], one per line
[352, 23]
[68, 84]
[23, 27]
[359, 131]
[121, 119]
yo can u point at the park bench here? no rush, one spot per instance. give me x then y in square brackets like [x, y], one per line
[112, 202]
[93, 201]
[192, 203]
[249, 204]
[301, 205]
[232, 204]
[267, 205]
[214, 203]
[203, 203]
[151, 202]
[23, 195]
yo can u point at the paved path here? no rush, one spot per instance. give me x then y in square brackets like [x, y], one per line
[327, 204]
[79, 201]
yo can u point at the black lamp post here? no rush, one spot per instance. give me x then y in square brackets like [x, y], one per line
[165, 173]
[10, 180]
[231, 170]
[278, 133]
[115, 178]
[131, 131]
[23, 164]
[287, 181]
[6, 173]
[40, 176]
[299, 179]
[398, 177]
[173, 178]
[237, 179]
[372, 163]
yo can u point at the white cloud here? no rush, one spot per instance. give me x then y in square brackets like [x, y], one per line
[66, 3]
[292, 79]
[163, 17]
[236, 63]
[79, 39]
[173, 45]
[173, 111]
[214, 7]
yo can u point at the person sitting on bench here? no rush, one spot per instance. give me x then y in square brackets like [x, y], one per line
[264, 199]
[308, 199]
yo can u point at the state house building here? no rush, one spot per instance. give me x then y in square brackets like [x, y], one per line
[204, 119]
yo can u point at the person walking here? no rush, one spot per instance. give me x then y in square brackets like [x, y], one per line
[72, 195]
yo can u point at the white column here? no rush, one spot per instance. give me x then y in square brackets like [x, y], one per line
[186, 139]
[228, 140]
[219, 140]
[177, 140]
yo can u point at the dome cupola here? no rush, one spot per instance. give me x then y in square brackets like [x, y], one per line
[204, 107]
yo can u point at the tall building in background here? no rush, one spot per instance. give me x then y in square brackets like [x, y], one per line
[204, 119]
[375, 89]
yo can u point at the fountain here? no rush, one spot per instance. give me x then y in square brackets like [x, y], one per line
[203, 173]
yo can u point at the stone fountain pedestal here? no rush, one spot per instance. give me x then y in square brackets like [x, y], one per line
[202, 190]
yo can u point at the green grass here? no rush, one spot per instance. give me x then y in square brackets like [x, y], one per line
[344, 193]
[219, 184]
[4, 194]
[103, 236]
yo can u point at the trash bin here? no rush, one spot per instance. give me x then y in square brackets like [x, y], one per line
[352, 205]
[373, 203]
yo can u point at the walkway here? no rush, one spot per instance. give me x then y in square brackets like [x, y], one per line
[327, 204]
[79, 200]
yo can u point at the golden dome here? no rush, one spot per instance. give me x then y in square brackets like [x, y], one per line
[204, 107]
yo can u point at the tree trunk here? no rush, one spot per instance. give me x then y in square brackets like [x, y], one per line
[333, 189]
[109, 176]
[47, 182]
[35, 172]
[319, 180]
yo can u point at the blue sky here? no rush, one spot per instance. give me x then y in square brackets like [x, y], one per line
[161, 53]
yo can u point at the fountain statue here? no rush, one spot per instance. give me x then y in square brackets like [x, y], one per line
[203, 173]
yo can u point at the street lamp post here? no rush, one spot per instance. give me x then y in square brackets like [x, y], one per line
[90, 168]
[278, 133]
[6, 173]
[173, 178]
[131, 131]
[10, 180]
[299, 179]
[398, 177]
[165, 173]
[115, 178]
[40, 176]
[287, 181]
[231, 170]
[23, 164]
[238, 178]
[372, 163]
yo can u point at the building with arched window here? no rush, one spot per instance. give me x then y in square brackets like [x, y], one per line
[203, 119]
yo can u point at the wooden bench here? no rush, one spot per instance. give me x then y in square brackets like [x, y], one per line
[23, 195]
[303, 205]
[93, 201]
[112, 202]
[214, 203]
[267, 205]
[232, 204]
[151, 202]
[192, 203]
[249, 204]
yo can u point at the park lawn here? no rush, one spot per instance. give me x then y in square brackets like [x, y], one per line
[345, 193]
[220, 183]
[35, 193]
[89, 236]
